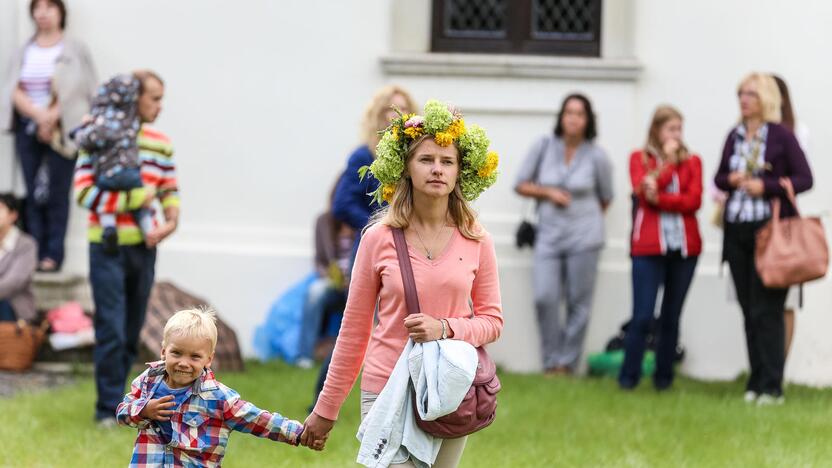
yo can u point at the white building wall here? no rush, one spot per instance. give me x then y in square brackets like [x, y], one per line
[264, 100]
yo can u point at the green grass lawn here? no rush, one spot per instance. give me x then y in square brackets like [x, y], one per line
[540, 422]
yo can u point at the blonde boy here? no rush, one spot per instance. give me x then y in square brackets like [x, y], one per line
[184, 415]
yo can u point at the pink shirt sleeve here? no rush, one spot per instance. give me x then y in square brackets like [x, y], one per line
[487, 323]
[356, 328]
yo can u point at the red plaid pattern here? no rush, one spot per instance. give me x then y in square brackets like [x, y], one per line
[201, 425]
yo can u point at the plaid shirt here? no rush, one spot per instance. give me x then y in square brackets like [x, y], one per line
[201, 425]
[742, 207]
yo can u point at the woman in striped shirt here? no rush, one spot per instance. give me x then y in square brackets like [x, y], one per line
[48, 90]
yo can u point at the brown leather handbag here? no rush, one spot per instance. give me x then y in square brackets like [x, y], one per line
[479, 407]
[790, 251]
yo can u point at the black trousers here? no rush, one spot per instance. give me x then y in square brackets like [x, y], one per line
[762, 309]
[46, 220]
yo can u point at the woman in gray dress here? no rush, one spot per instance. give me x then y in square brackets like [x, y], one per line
[571, 180]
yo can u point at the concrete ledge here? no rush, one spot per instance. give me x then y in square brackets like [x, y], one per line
[54, 289]
[512, 66]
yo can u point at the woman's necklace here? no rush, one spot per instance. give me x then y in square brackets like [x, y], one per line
[427, 250]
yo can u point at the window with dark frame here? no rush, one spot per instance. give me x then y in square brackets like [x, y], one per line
[543, 27]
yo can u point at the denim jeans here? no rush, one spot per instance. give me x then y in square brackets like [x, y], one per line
[675, 273]
[321, 298]
[6, 312]
[45, 221]
[124, 179]
[121, 286]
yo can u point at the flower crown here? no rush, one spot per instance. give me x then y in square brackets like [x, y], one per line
[478, 168]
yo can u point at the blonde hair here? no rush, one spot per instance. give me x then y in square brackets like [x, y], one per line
[768, 93]
[662, 115]
[196, 323]
[400, 210]
[379, 104]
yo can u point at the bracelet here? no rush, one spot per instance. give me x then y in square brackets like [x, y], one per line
[444, 329]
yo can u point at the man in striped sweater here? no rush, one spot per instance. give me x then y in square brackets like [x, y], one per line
[121, 283]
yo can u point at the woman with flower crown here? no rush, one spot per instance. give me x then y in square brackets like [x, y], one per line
[429, 168]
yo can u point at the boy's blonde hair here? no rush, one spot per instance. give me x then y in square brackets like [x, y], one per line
[198, 322]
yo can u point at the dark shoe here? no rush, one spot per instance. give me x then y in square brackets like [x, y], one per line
[662, 385]
[626, 384]
[109, 240]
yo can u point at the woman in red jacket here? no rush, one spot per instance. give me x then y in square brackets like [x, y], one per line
[667, 181]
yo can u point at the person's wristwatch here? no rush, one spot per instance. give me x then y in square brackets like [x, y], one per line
[444, 329]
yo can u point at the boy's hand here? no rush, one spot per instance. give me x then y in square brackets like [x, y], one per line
[158, 409]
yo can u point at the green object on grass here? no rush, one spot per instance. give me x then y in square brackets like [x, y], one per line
[609, 363]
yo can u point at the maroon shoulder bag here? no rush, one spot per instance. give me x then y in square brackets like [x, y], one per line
[479, 406]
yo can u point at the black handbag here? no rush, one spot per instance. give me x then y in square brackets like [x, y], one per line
[527, 230]
[525, 235]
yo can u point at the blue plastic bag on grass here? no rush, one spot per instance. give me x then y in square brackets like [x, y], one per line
[279, 336]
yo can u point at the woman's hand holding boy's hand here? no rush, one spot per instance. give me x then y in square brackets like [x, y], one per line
[315, 431]
[158, 409]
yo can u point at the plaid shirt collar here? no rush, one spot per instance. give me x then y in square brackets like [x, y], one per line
[205, 384]
[762, 132]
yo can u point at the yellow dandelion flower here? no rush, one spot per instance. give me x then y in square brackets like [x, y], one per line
[443, 138]
[457, 128]
[490, 165]
[387, 192]
[413, 132]
[395, 133]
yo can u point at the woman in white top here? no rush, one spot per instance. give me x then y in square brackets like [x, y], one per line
[48, 90]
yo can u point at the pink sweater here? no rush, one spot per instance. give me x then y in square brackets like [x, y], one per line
[466, 269]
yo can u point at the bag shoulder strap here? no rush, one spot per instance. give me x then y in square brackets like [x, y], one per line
[540, 155]
[792, 197]
[411, 298]
[535, 205]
